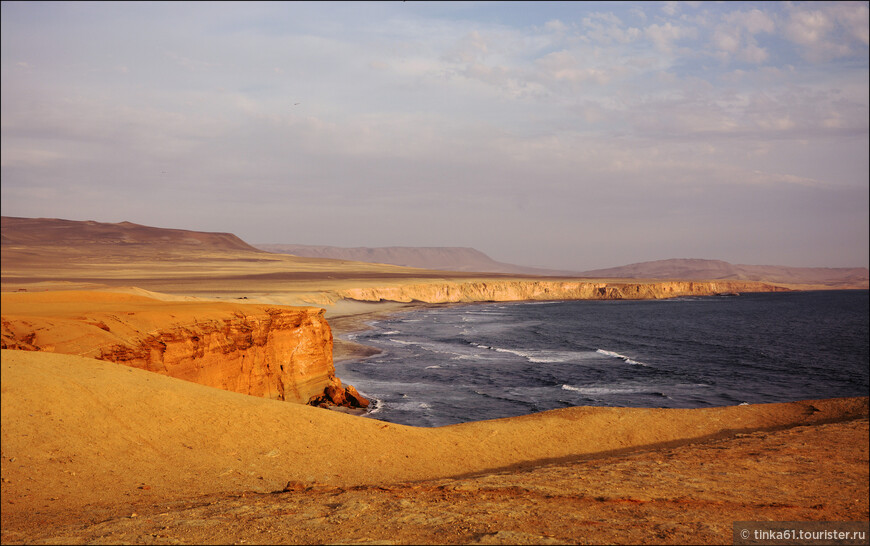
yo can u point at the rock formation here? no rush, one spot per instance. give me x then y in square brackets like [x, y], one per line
[276, 352]
[523, 290]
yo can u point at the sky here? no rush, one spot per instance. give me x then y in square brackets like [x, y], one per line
[567, 135]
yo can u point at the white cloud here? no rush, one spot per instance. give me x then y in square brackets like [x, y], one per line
[727, 40]
[670, 7]
[754, 54]
[605, 29]
[753, 21]
[664, 36]
[829, 30]
[735, 36]
[855, 18]
[563, 66]
[471, 48]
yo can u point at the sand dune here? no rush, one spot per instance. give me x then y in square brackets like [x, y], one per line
[78, 432]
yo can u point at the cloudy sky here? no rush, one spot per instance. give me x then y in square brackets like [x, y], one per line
[571, 135]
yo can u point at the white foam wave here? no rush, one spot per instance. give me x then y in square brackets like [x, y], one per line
[524, 354]
[540, 356]
[432, 367]
[627, 359]
[376, 405]
[411, 406]
[597, 391]
[605, 391]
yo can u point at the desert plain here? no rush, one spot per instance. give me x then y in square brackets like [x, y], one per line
[114, 431]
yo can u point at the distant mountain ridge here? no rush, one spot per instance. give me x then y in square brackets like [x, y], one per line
[469, 259]
[57, 232]
[858, 277]
[462, 259]
[27, 235]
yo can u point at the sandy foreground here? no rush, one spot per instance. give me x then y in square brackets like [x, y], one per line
[95, 452]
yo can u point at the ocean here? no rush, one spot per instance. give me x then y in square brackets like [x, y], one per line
[447, 365]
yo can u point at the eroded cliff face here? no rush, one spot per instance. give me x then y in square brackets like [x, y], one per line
[276, 352]
[521, 290]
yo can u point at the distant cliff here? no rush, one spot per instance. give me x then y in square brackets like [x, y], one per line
[527, 290]
[282, 353]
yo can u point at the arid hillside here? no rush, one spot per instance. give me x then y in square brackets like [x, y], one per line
[440, 258]
[833, 277]
[53, 232]
[472, 260]
[40, 254]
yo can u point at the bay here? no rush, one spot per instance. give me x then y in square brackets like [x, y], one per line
[446, 365]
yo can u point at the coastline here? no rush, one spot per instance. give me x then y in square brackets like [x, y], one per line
[344, 322]
[195, 472]
[419, 384]
[205, 465]
[97, 452]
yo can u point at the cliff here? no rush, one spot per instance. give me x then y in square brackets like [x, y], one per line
[276, 352]
[522, 290]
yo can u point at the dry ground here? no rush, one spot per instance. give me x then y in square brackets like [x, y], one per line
[86, 444]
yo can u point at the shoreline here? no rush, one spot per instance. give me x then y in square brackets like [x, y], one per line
[203, 465]
[351, 350]
[354, 322]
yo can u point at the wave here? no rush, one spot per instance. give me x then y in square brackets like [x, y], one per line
[539, 356]
[604, 391]
[436, 367]
[627, 359]
[376, 405]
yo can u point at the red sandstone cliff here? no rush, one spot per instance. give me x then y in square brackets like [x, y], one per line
[277, 352]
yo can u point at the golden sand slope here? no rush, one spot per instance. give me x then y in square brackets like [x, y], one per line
[690, 494]
[77, 431]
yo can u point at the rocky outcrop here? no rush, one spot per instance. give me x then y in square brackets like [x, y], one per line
[277, 352]
[335, 395]
[531, 290]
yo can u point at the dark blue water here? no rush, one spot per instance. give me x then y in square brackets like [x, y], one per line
[455, 364]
